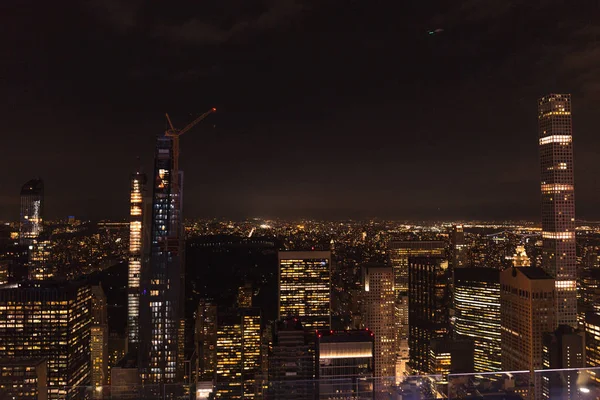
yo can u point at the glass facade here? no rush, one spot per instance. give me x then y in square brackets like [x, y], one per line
[135, 256]
[477, 314]
[304, 287]
[32, 211]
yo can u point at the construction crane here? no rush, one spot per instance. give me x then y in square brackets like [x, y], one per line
[175, 133]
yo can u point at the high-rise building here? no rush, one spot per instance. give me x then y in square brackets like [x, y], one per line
[400, 252]
[346, 365]
[291, 363]
[477, 314]
[520, 259]
[558, 201]
[563, 349]
[238, 354]
[32, 211]
[23, 379]
[459, 248]
[592, 344]
[99, 340]
[205, 339]
[527, 310]
[40, 267]
[304, 287]
[429, 298]
[136, 221]
[51, 321]
[451, 356]
[161, 293]
[378, 302]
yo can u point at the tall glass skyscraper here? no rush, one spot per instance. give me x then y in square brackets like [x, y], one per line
[161, 296]
[558, 201]
[136, 210]
[477, 312]
[32, 211]
[304, 287]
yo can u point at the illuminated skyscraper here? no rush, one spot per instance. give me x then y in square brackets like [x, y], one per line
[23, 379]
[558, 201]
[51, 321]
[428, 303]
[99, 340]
[136, 220]
[477, 314]
[592, 344]
[378, 302]
[238, 354]
[205, 339]
[32, 211]
[527, 310]
[400, 251]
[161, 296]
[304, 287]
[459, 248]
[520, 259]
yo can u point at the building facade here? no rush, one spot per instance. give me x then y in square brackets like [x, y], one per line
[378, 316]
[527, 310]
[24, 379]
[346, 365]
[477, 314]
[429, 298]
[50, 321]
[558, 201]
[136, 221]
[305, 287]
[161, 293]
[32, 211]
[563, 349]
[99, 340]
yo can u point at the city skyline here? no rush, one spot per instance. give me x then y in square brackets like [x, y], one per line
[352, 120]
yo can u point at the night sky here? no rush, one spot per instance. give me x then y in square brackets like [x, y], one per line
[325, 108]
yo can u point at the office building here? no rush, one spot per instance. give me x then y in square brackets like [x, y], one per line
[50, 321]
[136, 221]
[527, 311]
[99, 340]
[346, 365]
[378, 316]
[161, 292]
[205, 339]
[429, 298]
[558, 202]
[125, 379]
[5, 271]
[291, 362]
[459, 248]
[304, 287]
[400, 252]
[562, 349]
[23, 379]
[451, 356]
[238, 354]
[477, 314]
[32, 211]
[592, 344]
[40, 267]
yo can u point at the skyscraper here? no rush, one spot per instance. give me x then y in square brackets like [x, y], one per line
[527, 310]
[205, 339]
[477, 314]
[379, 301]
[558, 201]
[459, 248]
[304, 287]
[562, 349]
[346, 364]
[238, 353]
[32, 211]
[136, 219]
[161, 312]
[51, 321]
[428, 301]
[400, 251]
[99, 340]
